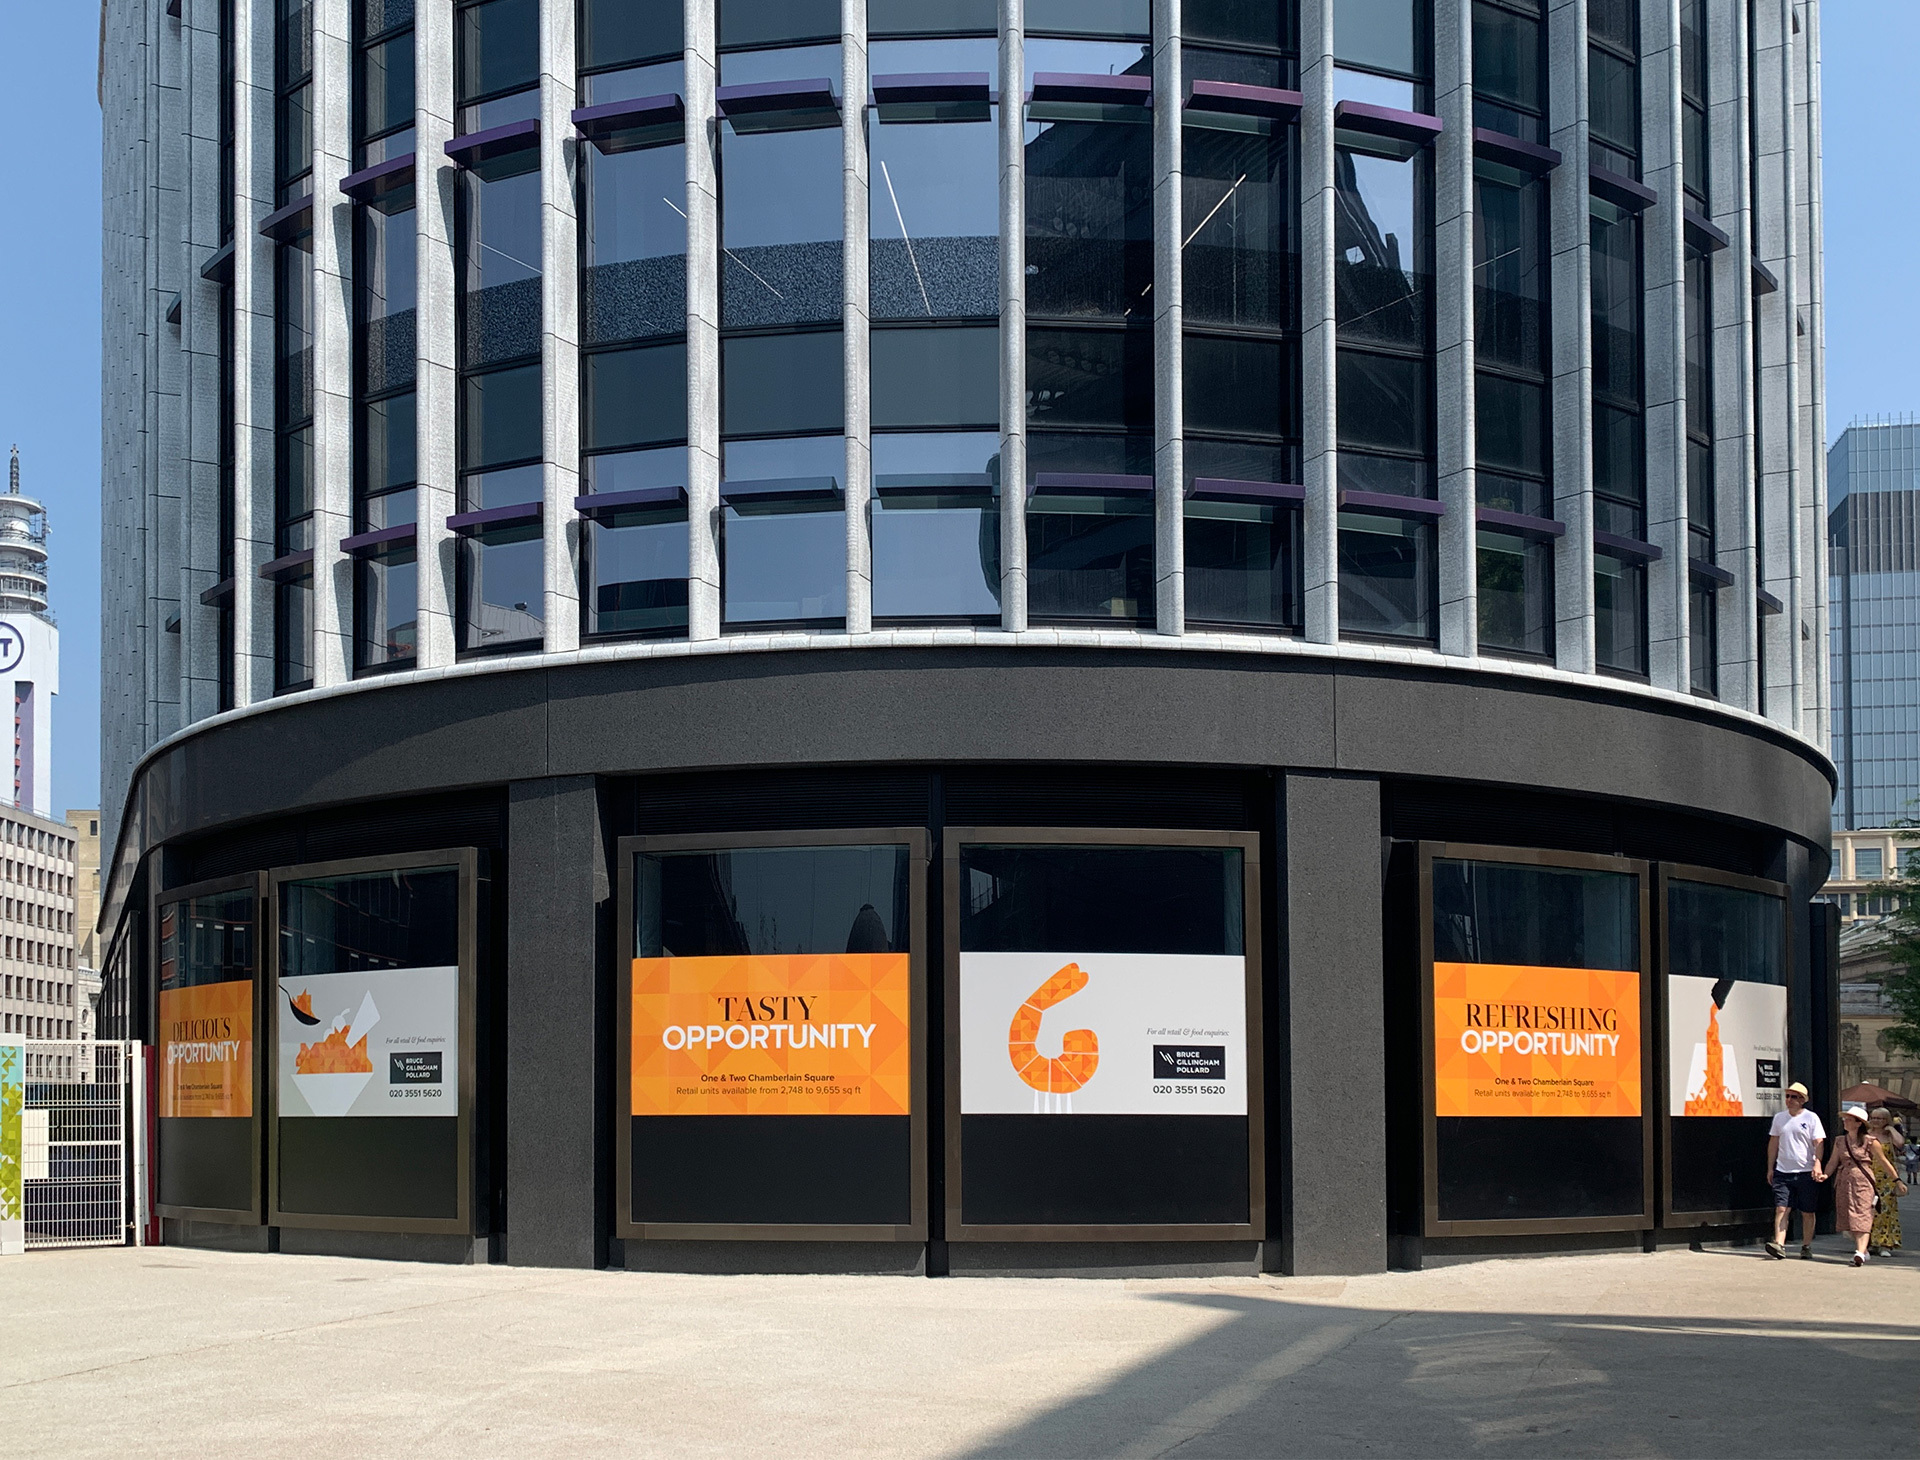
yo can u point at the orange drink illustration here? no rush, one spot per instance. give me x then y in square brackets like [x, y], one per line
[1079, 1048]
[1714, 1097]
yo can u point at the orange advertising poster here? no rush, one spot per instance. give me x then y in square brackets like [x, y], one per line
[206, 1037]
[1513, 1040]
[802, 1034]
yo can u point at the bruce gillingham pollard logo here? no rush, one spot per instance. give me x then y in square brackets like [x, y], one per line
[1070, 1033]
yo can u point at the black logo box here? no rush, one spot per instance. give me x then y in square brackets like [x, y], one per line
[414, 1069]
[1189, 1062]
[1766, 1074]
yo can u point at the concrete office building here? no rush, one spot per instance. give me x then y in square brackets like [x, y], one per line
[725, 557]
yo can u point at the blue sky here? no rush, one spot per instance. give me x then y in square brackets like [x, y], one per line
[50, 285]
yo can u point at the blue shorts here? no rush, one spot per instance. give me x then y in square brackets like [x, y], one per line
[1796, 1191]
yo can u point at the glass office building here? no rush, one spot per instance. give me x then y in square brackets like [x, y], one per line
[1873, 547]
[932, 634]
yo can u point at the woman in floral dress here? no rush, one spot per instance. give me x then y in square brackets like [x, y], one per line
[1885, 1236]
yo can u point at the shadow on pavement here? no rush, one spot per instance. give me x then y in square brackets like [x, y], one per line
[1281, 1377]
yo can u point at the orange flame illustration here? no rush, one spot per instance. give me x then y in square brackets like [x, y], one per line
[334, 1056]
[1714, 1098]
[303, 1001]
[1079, 1048]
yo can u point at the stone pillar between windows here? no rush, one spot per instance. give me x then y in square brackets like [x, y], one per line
[253, 350]
[436, 370]
[1169, 375]
[703, 328]
[1569, 242]
[559, 331]
[857, 368]
[332, 342]
[1453, 325]
[1013, 317]
[1320, 546]
[201, 298]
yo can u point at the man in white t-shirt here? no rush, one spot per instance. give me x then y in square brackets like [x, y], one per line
[1794, 1147]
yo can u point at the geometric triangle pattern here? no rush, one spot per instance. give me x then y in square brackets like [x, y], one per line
[1516, 1040]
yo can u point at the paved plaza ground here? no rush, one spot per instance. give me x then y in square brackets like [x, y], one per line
[1713, 1353]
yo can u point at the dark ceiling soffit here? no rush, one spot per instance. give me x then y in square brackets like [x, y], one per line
[1059, 86]
[491, 519]
[287, 222]
[1627, 547]
[220, 595]
[1089, 484]
[933, 87]
[598, 505]
[620, 126]
[1227, 489]
[1538, 529]
[780, 489]
[1234, 99]
[370, 184]
[1764, 281]
[381, 541]
[218, 268]
[1527, 156]
[1392, 504]
[475, 148]
[293, 565]
[1702, 571]
[1419, 128]
[1701, 232]
[1620, 190]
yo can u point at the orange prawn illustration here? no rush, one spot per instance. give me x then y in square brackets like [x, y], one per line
[1079, 1048]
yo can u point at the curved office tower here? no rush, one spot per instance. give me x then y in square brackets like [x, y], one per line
[937, 634]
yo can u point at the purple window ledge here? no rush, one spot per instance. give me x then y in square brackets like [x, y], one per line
[597, 505]
[287, 222]
[621, 126]
[780, 489]
[1089, 484]
[292, 565]
[1520, 524]
[1702, 571]
[1627, 547]
[1066, 86]
[1232, 98]
[1764, 281]
[380, 541]
[1527, 156]
[933, 88]
[220, 595]
[493, 519]
[379, 180]
[474, 149]
[766, 99]
[219, 265]
[1620, 190]
[1385, 121]
[1702, 233]
[926, 484]
[1227, 489]
[1769, 603]
[1392, 504]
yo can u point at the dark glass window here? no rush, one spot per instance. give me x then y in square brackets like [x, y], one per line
[774, 385]
[1240, 255]
[635, 565]
[498, 49]
[1619, 614]
[936, 526]
[1090, 219]
[633, 243]
[1509, 68]
[772, 900]
[781, 226]
[932, 17]
[1693, 100]
[1703, 639]
[1702, 601]
[633, 398]
[1265, 25]
[1613, 85]
[500, 267]
[1619, 461]
[621, 32]
[1381, 35]
[1514, 594]
[385, 588]
[1243, 564]
[772, 22]
[1388, 577]
[384, 85]
[1089, 17]
[1101, 899]
[1510, 271]
[935, 377]
[784, 560]
[1098, 380]
[1090, 556]
[386, 288]
[1236, 386]
[1540, 917]
[933, 214]
[1725, 932]
[293, 110]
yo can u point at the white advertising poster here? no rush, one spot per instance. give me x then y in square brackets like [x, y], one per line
[1103, 1034]
[381, 1043]
[1726, 1055]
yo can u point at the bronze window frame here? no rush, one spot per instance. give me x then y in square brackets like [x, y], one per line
[1248, 843]
[1432, 1224]
[465, 862]
[627, 850]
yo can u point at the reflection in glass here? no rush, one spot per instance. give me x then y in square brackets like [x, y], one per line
[1515, 594]
[497, 45]
[1540, 917]
[1256, 24]
[207, 939]
[636, 563]
[1240, 259]
[1387, 576]
[1381, 35]
[784, 561]
[1090, 218]
[1102, 899]
[780, 227]
[769, 901]
[501, 589]
[500, 267]
[934, 219]
[1725, 932]
[1243, 564]
[1090, 557]
[370, 921]
[386, 289]
[1382, 288]
[386, 593]
[1509, 86]
[1089, 17]
[620, 32]
[936, 525]
[1619, 614]
[633, 280]
[1619, 466]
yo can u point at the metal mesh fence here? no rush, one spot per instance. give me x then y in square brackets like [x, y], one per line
[74, 1143]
